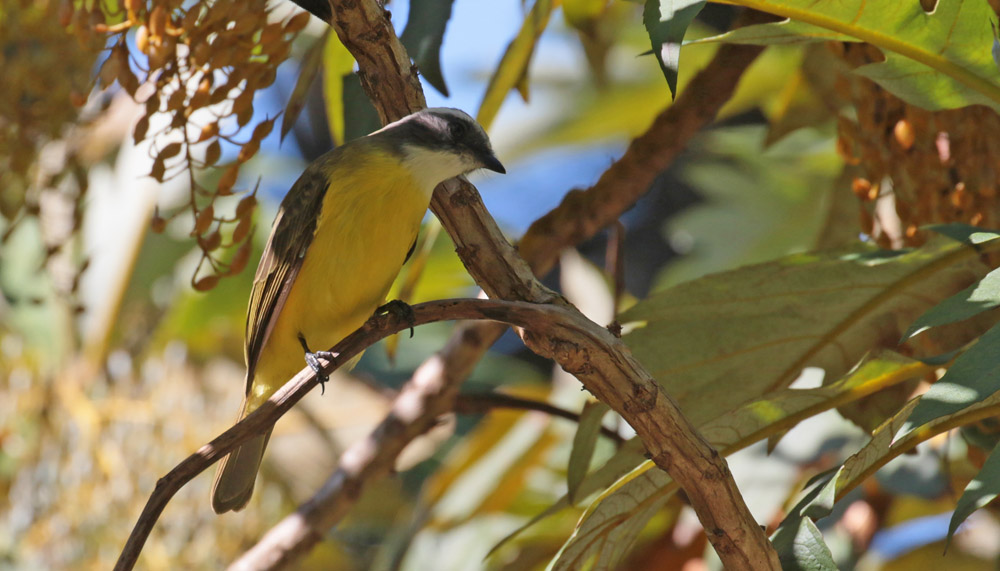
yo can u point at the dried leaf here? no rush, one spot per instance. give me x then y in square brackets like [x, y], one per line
[246, 206]
[206, 283]
[228, 179]
[242, 228]
[171, 150]
[203, 220]
[240, 258]
[297, 23]
[248, 150]
[212, 154]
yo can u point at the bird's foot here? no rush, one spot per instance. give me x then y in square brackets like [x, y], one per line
[312, 359]
[401, 310]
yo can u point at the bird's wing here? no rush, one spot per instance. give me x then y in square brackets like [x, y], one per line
[291, 235]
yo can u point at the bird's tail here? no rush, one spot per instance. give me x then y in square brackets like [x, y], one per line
[237, 472]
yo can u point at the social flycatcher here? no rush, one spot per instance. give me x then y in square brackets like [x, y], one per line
[337, 243]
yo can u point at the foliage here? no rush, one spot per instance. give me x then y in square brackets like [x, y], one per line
[870, 120]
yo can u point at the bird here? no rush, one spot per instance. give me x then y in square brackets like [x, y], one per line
[338, 241]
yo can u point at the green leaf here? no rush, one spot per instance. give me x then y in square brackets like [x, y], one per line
[311, 63]
[728, 338]
[337, 63]
[774, 34]
[935, 60]
[423, 35]
[981, 296]
[666, 21]
[360, 116]
[801, 547]
[584, 442]
[974, 377]
[983, 489]
[964, 233]
[512, 71]
[817, 501]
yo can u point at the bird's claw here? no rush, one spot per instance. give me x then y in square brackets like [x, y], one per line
[312, 359]
[401, 310]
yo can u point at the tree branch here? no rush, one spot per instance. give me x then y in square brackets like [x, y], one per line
[587, 350]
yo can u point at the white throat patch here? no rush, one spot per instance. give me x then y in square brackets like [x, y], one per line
[430, 168]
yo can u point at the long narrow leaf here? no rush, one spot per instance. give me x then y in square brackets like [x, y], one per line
[981, 296]
[337, 63]
[423, 36]
[974, 377]
[584, 442]
[513, 67]
[983, 489]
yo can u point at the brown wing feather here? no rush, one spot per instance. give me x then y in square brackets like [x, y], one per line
[291, 234]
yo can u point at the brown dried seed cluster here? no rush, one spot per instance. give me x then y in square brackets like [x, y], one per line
[943, 166]
[197, 64]
[205, 62]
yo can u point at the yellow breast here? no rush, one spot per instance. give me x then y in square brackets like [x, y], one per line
[370, 217]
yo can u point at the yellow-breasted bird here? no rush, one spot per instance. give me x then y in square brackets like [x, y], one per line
[338, 241]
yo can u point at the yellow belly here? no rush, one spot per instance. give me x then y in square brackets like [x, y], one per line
[367, 224]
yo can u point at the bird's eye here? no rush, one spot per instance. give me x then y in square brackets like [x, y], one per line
[457, 130]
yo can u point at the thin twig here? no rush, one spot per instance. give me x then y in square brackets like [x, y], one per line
[479, 403]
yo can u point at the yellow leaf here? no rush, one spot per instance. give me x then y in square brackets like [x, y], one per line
[513, 65]
[337, 62]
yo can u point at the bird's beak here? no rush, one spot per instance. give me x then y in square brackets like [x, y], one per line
[491, 162]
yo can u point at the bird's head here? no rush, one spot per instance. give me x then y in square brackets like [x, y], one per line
[440, 143]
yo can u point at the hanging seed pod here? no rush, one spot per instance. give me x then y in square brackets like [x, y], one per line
[246, 206]
[248, 151]
[209, 131]
[242, 228]
[203, 220]
[211, 242]
[241, 257]
[228, 179]
[212, 154]
[170, 151]
[206, 283]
